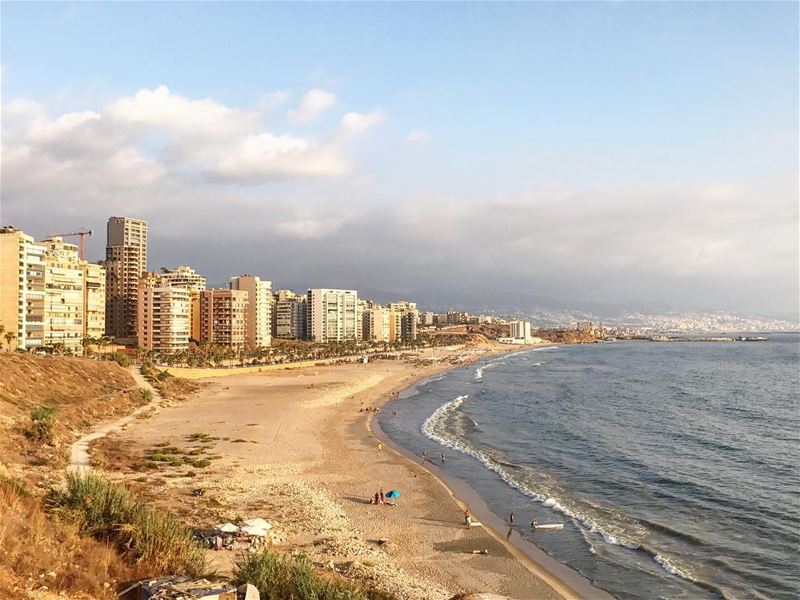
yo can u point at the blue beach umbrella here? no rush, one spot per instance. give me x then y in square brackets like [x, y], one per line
[392, 494]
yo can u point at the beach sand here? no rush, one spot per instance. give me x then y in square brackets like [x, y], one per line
[295, 449]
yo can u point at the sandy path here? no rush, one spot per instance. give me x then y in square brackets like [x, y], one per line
[79, 459]
[294, 448]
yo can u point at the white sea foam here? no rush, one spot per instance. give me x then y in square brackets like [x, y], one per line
[479, 371]
[672, 569]
[435, 428]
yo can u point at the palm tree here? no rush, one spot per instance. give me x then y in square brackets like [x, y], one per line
[87, 341]
[9, 335]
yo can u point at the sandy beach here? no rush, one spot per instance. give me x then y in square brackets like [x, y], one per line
[296, 448]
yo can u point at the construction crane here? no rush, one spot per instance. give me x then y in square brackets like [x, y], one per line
[81, 234]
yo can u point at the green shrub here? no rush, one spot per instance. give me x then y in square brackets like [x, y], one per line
[146, 395]
[42, 420]
[142, 534]
[123, 360]
[284, 577]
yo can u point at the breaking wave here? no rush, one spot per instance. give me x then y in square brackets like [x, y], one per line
[445, 427]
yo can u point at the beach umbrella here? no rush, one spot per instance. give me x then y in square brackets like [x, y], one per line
[392, 494]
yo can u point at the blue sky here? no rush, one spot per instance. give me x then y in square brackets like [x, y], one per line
[556, 107]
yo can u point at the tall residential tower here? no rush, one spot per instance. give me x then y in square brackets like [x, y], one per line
[21, 289]
[332, 315]
[259, 308]
[126, 262]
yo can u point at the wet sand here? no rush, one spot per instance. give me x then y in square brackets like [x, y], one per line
[295, 449]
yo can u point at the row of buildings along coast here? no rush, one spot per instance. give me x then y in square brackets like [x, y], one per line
[51, 297]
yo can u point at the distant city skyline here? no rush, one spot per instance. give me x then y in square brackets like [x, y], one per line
[629, 155]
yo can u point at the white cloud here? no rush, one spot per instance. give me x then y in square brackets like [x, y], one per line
[312, 105]
[267, 155]
[162, 134]
[272, 100]
[354, 123]
[418, 135]
[167, 112]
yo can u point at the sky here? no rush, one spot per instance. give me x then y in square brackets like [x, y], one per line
[636, 154]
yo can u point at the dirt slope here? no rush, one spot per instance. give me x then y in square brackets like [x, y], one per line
[83, 392]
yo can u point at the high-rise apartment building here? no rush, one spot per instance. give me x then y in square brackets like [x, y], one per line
[289, 315]
[163, 321]
[520, 330]
[223, 317]
[332, 315]
[299, 323]
[259, 308]
[375, 323]
[94, 300]
[126, 261]
[64, 307]
[22, 292]
[403, 317]
[186, 277]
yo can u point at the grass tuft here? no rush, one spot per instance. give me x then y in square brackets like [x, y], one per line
[142, 534]
[284, 577]
[43, 419]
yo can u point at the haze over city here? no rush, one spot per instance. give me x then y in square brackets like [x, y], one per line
[580, 152]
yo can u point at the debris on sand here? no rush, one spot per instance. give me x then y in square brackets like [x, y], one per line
[187, 588]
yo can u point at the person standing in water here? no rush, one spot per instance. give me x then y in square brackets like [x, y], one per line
[442, 457]
[511, 519]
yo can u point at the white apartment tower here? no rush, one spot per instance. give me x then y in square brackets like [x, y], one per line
[64, 303]
[332, 315]
[259, 308]
[520, 330]
[186, 277]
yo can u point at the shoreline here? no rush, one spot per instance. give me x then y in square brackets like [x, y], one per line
[309, 466]
[565, 580]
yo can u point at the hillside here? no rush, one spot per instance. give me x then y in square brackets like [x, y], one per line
[66, 396]
[80, 392]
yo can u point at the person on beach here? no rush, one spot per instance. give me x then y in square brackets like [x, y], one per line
[376, 498]
[380, 446]
[424, 456]
[511, 519]
[467, 517]
[383, 498]
[442, 457]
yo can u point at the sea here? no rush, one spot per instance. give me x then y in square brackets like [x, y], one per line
[674, 467]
